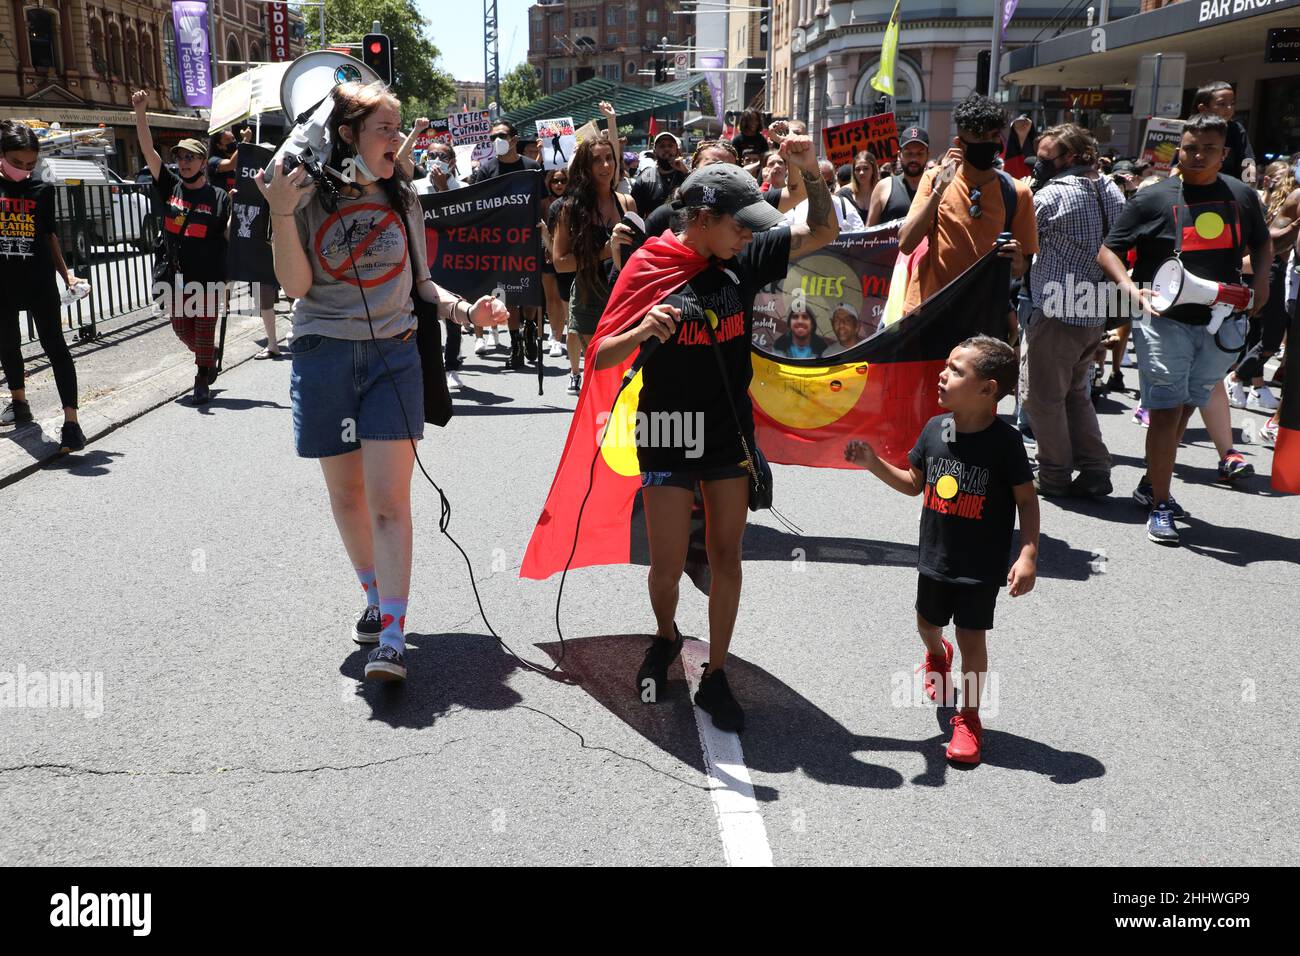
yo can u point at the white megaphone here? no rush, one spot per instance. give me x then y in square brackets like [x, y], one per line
[1174, 285]
[305, 98]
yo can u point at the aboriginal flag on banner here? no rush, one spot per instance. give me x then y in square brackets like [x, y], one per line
[248, 253]
[882, 388]
[483, 239]
[1286, 453]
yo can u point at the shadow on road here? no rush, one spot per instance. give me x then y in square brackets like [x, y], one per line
[84, 464]
[784, 731]
[447, 673]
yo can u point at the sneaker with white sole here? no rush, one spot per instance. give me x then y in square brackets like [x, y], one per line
[1264, 399]
[454, 383]
[385, 662]
[575, 384]
[557, 350]
[1237, 394]
[1268, 433]
[1160, 525]
[480, 345]
[368, 626]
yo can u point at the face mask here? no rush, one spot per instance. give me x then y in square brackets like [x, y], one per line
[981, 155]
[13, 172]
[1044, 169]
[500, 146]
[193, 179]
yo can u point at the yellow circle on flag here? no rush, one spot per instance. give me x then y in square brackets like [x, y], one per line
[946, 487]
[618, 444]
[806, 397]
[1209, 225]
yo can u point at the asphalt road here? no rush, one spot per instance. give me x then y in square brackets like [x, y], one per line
[1138, 708]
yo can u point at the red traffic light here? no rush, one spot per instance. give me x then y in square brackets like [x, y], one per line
[376, 47]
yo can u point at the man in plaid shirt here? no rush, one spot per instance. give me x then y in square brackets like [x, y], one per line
[1074, 208]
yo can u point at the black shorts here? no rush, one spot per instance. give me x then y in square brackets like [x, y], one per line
[969, 606]
[687, 479]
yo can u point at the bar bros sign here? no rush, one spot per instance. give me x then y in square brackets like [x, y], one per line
[278, 17]
[1211, 10]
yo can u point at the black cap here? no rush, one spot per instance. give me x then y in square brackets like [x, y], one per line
[729, 189]
[914, 134]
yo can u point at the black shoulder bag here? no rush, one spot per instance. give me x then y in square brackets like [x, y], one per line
[164, 266]
[428, 338]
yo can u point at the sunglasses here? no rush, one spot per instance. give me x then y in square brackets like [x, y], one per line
[500, 136]
[975, 210]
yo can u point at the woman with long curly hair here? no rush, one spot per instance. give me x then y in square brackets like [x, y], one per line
[585, 244]
[357, 386]
[556, 287]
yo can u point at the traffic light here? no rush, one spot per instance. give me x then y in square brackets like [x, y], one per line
[661, 70]
[377, 53]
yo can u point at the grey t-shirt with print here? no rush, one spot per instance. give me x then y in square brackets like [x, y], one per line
[332, 306]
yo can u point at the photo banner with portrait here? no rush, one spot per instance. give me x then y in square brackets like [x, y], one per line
[827, 370]
[248, 251]
[558, 140]
[483, 239]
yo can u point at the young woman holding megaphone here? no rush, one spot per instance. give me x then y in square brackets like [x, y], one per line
[347, 250]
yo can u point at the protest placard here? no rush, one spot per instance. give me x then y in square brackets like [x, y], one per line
[471, 127]
[558, 140]
[1160, 142]
[879, 134]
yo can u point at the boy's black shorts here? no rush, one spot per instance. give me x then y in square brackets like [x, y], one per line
[967, 605]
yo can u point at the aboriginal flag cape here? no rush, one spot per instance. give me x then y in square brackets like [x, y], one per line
[884, 389]
[1286, 453]
[660, 267]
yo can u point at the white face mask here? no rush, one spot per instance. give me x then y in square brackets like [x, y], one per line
[501, 146]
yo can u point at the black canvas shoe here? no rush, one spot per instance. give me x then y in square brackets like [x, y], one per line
[368, 626]
[72, 438]
[715, 699]
[385, 663]
[652, 678]
[201, 393]
[16, 413]
[1091, 484]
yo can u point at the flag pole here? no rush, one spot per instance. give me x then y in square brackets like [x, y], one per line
[995, 54]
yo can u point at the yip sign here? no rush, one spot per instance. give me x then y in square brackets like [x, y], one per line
[879, 134]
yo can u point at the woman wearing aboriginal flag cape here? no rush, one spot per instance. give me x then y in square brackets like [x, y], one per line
[686, 433]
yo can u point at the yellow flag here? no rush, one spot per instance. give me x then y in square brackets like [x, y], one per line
[883, 81]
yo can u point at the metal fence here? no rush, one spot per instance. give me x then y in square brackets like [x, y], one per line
[108, 233]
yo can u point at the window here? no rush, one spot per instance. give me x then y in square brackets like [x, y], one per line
[557, 76]
[233, 53]
[536, 24]
[255, 53]
[132, 59]
[611, 72]
[42, 39]
[557, 22]
[115, 51]
[631, 37]
[146, 60]
[652, 15]
[611, 39]
[174, 89]
[98, 60]
[613, 16]
[909, 95]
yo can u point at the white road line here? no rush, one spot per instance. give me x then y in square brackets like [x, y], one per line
[744, 837]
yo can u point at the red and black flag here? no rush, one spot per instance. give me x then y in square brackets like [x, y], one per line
[883, 389]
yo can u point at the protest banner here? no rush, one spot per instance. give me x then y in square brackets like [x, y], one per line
[469, 128]
[588, 130]
[879, 134]
[439, 130]
[1160, 142]
[248, 252]
[483, 239]
[558, 140]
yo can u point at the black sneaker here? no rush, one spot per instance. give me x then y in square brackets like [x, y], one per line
[652, 678]
[212, 372]
[575, 384]
[385, 663]
[1091, 484]
[714, 698]
[72, 438]
[201, 393]
[368, 626]
[16, 413]
[1145, 498]
[1116, 382]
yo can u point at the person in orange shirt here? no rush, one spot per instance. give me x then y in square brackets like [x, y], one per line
[961, 206]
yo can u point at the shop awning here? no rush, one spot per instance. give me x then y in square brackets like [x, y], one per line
[632, 103]
[1203, 29]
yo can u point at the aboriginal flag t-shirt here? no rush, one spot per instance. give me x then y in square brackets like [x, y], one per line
[968, 507]
[1218, 223]
[26, 220]
[683, 376]
[195, 227]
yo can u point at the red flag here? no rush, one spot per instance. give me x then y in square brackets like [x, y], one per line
[1286, 451]
[653, 130]
[660, 267]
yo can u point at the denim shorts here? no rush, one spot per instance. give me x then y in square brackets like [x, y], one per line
[687, 480]
[1178, 364]
[342, 393]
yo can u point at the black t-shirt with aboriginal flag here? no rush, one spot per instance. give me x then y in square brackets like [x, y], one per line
[26, 222]
[195, 226]
[968, 507]
[1218, 224]
[683, 375]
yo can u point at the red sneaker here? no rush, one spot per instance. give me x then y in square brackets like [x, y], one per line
[966, 734]
[935, 669]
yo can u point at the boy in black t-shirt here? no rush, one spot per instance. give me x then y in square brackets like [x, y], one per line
[972, 469]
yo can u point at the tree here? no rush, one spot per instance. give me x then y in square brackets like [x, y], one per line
[520, 87]
[416, 81]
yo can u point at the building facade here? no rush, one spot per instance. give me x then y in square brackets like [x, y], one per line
[618, 40]
[78, 63]
[825, 53]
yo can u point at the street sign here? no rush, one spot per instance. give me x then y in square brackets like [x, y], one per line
[681, 60]
[1283, 45]
[1108, 101]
